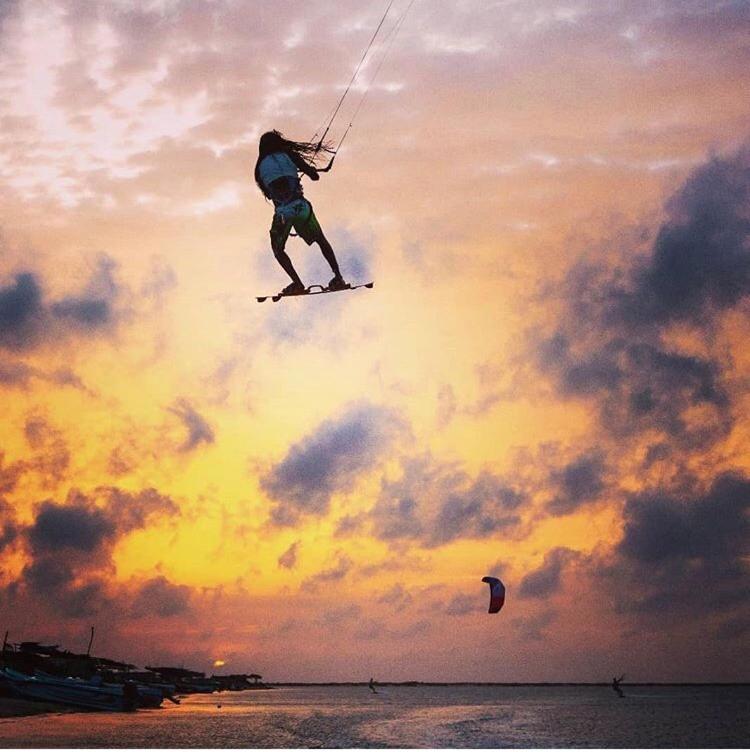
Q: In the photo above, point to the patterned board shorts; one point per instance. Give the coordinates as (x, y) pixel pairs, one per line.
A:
(298, 215)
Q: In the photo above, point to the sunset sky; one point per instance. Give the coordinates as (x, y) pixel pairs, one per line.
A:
(546, 383)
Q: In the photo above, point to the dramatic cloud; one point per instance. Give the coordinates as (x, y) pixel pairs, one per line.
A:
(21, 312)
(48, 576)
(701, 258)
(611, 344)
(15, 373)
(79, 525)
(660, 529)
(70, 552)
(134, 510)
(199, 431)
(89, 314)
(546, 580)
(673, 542)
(579, 482)
(435, 503)
(26, 320)
(330, 460)
(159, 597)
(642, 386)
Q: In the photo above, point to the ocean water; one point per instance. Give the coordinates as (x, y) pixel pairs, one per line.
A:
(422, 716)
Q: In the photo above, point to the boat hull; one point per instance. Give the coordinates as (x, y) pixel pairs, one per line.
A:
(67, 692)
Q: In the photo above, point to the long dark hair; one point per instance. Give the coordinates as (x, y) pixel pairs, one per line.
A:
(272, 142)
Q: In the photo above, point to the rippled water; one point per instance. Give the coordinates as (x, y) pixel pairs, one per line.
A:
(445, 716)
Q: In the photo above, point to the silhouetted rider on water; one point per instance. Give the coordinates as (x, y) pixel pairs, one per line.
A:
(277, 174)
(616, 685)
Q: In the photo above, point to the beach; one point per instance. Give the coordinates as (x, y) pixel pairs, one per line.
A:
(439, 716)
(14, 707)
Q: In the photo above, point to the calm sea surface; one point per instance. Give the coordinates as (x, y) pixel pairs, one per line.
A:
(444, 716)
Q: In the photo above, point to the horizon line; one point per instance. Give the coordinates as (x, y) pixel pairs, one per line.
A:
(509, 684)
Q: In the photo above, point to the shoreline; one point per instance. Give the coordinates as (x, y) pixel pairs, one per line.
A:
(17, 707)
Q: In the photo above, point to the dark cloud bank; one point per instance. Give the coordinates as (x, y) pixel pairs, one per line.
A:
(672, 543)
(610, 347)
(580, 481)
(31, 321)
(28, 320)
(684, 548)
(330, 460)
(434, 503)
(546, 580)
(69, 549)
(682, 561)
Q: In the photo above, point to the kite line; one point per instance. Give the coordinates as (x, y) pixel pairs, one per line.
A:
(387, 43)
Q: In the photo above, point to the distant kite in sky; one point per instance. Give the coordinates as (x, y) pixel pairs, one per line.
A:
(497, 594)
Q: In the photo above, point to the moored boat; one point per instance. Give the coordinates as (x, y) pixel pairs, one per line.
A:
(74, 692)
(148, 696)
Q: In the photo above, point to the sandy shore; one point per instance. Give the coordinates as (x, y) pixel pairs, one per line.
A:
(12, 707)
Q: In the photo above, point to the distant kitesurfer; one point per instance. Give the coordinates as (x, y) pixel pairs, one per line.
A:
(277, 174)
(616, 685)
(372, 686)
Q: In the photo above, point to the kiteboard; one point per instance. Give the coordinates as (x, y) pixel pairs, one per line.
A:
(313, 290)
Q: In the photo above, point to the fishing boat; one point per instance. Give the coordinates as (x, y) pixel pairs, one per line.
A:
(74, 692)
(148, 696)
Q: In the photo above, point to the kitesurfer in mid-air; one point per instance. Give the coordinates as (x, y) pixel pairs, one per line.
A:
(277, 174)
